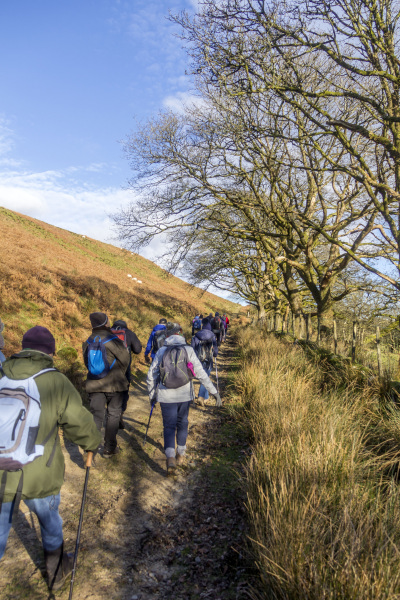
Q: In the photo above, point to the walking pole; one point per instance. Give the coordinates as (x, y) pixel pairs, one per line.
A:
(78, 537)
(216, 373)
(148, 424)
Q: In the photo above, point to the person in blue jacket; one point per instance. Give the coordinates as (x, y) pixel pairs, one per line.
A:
(153, 345)
(205, 338)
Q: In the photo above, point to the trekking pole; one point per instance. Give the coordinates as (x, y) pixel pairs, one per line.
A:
(148, 424)
(216, 373)
(78, 537)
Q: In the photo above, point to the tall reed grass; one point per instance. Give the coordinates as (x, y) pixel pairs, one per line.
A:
(323, 502)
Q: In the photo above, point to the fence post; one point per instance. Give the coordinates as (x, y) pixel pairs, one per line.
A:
(353, 344)
(334, 336)
(378, 350)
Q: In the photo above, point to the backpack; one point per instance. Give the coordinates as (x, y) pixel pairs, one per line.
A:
(20, 410)
(205, 351)
(96, 359)
(121, 335)
(175, 370)
(197, 323)
(158, 340)
(216, 324)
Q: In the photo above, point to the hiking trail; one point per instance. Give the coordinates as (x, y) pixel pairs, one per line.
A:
(146, 536)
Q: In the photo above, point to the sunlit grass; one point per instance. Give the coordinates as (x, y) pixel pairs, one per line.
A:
(322, 502)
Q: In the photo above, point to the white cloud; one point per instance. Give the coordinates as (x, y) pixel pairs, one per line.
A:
(177, 102)
(49, 196)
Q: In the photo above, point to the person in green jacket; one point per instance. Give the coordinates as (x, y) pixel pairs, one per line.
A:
(61, 406)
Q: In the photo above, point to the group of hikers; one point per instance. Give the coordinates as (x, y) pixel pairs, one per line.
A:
(36, 400)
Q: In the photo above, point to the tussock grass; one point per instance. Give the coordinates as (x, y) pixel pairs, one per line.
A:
(323, 504)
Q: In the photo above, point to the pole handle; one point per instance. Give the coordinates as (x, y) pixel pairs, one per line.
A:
(89, 459)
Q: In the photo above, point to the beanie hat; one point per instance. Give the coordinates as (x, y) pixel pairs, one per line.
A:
(162, 322)
(173, 328)
(39, 338)
(98, 319)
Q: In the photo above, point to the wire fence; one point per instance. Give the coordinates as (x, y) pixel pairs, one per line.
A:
(375, 345)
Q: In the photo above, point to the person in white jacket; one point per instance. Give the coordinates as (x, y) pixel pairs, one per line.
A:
(175, 402)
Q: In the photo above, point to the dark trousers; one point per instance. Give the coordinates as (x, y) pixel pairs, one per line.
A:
(125, 400)
(175, 421)
(111, 403)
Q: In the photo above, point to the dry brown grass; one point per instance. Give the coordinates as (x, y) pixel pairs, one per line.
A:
(55, 278)
(323, 504)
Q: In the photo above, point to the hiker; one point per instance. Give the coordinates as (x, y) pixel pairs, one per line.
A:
(173, 389)
(107, 360)
(196, 324)
(226, 324)
(223, 335)
(133, 344)
(156, 340)
(217, 328)
(2, 357)
(38, 482)
(204, 343)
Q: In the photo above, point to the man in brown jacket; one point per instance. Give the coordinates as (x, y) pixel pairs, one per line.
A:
(106, 390)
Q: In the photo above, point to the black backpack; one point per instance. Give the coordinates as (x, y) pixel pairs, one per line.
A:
(159, 340)
(175, 370)
(216, 324)
(205, 351)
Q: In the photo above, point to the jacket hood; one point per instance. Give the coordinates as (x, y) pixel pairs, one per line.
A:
(26, 363)
(119, 323)
(175, 340)
(207, 327)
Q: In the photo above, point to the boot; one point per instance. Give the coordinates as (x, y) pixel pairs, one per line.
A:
(58, 566)
(171, 465)
(180, 460)
(200, 400)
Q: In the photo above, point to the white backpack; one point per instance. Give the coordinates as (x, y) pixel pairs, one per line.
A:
(20, 410)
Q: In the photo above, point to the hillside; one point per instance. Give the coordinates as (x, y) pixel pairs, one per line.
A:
(56, 278)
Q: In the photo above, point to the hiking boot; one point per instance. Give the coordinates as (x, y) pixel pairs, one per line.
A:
(58, 566)
(200, 400)
(180, 460)
(109, 453)
(171, 465)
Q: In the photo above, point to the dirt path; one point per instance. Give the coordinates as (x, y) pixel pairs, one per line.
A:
(146, 536)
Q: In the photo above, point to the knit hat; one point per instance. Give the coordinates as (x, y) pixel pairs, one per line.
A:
(98, 319)
(162, 322)
(173, 328)
(39, 338)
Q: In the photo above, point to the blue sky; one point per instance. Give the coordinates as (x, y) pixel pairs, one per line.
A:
(75, 74)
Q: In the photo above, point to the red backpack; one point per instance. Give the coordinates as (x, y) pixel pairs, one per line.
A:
(121, 335)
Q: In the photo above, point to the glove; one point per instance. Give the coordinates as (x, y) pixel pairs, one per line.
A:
(147, 359)
(153, 400)
(218, 402)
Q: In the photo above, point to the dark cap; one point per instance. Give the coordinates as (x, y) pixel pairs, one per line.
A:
(39, 338)
(162, 322)
(98, 319)
(173, 328)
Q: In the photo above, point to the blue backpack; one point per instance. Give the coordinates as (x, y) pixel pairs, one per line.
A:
(96, 357)
(197, 323)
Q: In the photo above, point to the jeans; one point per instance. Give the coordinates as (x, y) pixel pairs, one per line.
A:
(175, 421)
(203, 393)
(50, 521)
(112, 403)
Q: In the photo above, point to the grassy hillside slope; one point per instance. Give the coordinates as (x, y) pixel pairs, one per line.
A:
(56, 278)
